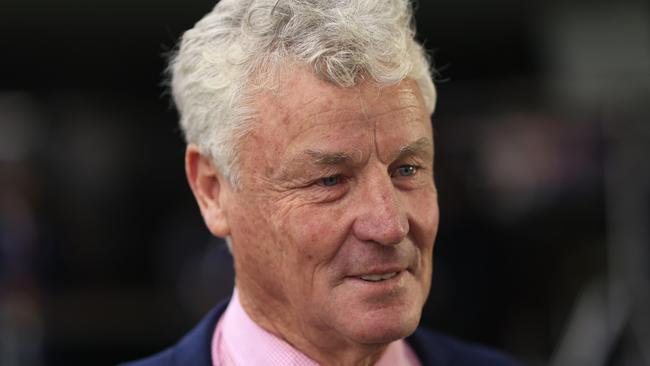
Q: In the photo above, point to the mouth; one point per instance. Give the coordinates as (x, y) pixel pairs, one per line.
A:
(388, 282)
(378, 277)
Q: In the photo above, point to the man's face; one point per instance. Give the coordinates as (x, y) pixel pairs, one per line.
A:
(334, 224)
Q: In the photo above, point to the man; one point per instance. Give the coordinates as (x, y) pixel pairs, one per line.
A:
(310, 149)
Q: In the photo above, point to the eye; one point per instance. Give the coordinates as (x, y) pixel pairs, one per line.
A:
(330, 181)
(407, 170)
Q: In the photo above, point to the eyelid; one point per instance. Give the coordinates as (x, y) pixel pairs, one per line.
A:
(329, 193)
(394, 172)
(321, 181)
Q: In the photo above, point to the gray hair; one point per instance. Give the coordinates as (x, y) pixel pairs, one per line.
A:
(241, 45)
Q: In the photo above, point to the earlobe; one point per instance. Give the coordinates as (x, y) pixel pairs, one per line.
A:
(210, 190)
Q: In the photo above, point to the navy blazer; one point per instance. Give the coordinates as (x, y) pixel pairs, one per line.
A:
(431, 348)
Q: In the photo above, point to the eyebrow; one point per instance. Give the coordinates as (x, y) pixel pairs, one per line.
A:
(421, 146)
(325, 158)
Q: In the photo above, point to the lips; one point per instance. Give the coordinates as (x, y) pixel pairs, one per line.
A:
(385, 267)
(378, 277)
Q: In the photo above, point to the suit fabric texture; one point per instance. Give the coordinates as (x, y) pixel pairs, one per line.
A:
(431, 348)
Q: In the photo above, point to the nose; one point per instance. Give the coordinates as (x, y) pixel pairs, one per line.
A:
(380, 217)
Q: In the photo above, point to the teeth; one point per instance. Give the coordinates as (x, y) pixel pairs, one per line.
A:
(379, 277)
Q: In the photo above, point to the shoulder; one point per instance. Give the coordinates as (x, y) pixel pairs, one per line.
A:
(431, 348)
(192, 349)
(435, 349)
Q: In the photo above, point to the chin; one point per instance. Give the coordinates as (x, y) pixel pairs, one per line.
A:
(383, 326)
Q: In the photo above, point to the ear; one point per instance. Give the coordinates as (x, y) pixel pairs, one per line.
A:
(210, 189)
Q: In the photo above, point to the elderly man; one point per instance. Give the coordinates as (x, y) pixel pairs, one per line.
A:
(310, 149)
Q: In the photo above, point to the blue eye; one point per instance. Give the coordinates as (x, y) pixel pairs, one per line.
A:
(407, 170)
(331, 181)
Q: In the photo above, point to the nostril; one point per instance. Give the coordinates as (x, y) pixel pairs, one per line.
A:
(399, 231)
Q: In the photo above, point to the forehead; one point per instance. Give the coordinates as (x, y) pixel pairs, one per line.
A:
(306, 112)
(303, 98)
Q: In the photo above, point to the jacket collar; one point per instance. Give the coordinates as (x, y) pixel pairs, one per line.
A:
(195, 347)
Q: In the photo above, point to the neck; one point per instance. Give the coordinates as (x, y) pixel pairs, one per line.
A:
(322, 345)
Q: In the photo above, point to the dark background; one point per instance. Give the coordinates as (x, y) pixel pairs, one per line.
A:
(541, 161)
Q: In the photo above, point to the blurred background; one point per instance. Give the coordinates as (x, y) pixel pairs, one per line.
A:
(542, 132)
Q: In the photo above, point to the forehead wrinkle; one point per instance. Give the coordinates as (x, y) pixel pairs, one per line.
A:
(296, 110)
(359, 108)
(328, 101)
(407, 98)
(412, 114)
(411, 111)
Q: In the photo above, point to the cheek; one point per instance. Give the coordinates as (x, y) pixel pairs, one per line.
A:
(314, 234)
(253, 235)
(425, 217)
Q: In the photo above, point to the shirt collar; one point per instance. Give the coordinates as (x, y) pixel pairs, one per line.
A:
(239, 341)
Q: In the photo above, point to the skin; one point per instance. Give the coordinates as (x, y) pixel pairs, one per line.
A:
(336, 183)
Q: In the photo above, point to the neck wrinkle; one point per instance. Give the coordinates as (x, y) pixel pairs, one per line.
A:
(340, 354)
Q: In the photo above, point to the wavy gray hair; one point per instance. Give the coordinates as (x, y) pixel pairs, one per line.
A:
(241, 45)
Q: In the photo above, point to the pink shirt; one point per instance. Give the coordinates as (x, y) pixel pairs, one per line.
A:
(239, 341)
